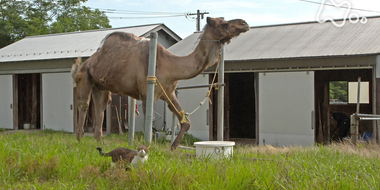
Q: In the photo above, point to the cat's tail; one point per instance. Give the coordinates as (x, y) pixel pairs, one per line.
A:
(100, 151)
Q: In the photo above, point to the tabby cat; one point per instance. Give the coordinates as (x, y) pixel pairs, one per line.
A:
(125, 154)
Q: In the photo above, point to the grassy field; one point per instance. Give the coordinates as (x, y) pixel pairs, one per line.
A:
(55, 160)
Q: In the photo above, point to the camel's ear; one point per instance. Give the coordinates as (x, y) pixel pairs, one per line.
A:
(210, 21)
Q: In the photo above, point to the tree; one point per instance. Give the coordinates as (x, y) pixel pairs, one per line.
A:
(12, 24)
(37, 17)
(339, 90)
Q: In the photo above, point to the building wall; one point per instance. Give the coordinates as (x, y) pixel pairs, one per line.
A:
(190, 99)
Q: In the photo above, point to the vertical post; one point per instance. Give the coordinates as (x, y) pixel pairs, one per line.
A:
(16, 100)
(150, 87)
(131, 120)
(358, 102)
(326, 110)
(220, 122)
(198, 21)
(108, 115)
(354, 120)
(354, 129)
(33, 123)
(173, 123)
(173, 129)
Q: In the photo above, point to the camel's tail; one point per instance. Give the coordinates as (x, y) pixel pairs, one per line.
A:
(101, 152)
(75, 69)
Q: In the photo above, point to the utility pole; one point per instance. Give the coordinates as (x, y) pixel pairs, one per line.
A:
(200, 15)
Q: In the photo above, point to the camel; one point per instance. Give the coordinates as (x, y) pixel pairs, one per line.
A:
(121, 66)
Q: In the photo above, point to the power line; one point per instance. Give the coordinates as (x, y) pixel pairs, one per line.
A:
(146, 17)
(136, 12)
(331, 5)
(149, 14)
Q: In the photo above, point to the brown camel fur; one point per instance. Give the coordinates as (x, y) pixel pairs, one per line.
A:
(121, 66)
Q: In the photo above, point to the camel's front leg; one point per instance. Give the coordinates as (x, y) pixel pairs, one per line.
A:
(185, 126)
(101, 99)
(83, 92)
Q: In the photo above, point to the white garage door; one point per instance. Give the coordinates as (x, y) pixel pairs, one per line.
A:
(57, 97)
(286, 108)
(6, 100)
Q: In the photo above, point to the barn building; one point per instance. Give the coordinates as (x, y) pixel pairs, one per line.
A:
(36, 85)
(279, 81)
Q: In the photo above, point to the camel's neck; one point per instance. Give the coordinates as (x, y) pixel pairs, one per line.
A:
(205, 55)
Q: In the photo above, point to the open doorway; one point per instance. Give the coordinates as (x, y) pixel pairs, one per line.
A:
(29, 101)
(239, 108)
(242, 115)
(335, 92)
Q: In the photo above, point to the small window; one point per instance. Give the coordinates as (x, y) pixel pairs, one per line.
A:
(338, 92)
(353, 92)
(344, 92)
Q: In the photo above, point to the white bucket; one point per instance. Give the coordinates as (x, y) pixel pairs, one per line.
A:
(26, 125)
(160, 135)
(214, 149)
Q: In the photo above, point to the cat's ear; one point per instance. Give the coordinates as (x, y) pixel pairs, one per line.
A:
(148, 146)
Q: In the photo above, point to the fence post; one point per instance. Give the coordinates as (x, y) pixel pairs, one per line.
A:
(150, 87)
(220, 122)
(132, 119)
(354, 129)
(173, 122)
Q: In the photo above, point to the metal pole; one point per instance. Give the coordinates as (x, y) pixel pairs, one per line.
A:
(108, 115)
(199, 86)
(367, 115)
(198, 21)
(353, 130)
(358, 102)
(173, 123)
(220, 121)
(150, 87)
(132, 119)
(369, 118)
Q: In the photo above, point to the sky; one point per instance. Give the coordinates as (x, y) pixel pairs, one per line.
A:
(254, 12)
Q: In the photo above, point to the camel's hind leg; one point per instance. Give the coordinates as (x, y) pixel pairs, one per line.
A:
(101, 99)
(83, 92)
(184, 126)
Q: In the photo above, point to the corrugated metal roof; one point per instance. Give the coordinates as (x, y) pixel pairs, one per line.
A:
(69, 45)
(298, 40)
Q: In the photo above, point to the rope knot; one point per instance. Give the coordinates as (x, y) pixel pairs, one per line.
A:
(183, 120)
(151, 79)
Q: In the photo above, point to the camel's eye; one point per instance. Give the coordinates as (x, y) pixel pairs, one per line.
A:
(225, 25)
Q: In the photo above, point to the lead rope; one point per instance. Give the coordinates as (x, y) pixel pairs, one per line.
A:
(209, 91)
(154, 79)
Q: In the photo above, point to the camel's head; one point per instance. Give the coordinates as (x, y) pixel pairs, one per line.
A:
(237, 26)
(219, 29)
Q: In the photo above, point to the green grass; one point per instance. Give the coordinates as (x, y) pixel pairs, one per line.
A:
(55, 160)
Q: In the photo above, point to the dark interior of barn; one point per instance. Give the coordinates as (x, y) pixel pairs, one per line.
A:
(29, 100)
(325, 102)
(242, 105)
(239, 108)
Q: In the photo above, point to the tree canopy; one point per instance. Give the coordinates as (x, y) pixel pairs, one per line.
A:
(339, 91)
(37, 17)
